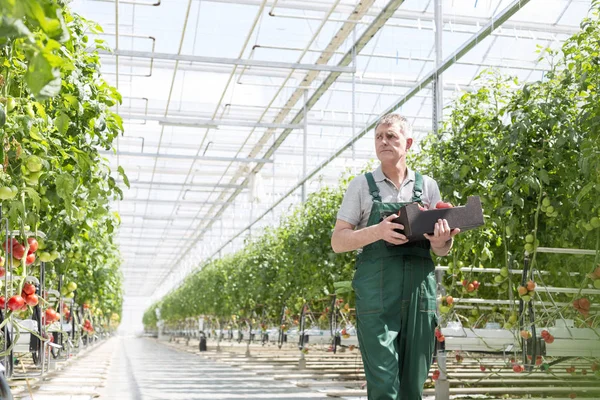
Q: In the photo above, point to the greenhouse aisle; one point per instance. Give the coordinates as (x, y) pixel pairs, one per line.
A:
(144, 369)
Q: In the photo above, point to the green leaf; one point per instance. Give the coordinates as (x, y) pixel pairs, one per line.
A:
(343, 287)
(15, 209)
(13, 28)
(52, 26)
(71, 101)
(65, 185)
(125, 179)
(583, 192)
(543, 175)
(342, 284)
(34, 133)
(62, 123)
(34, 196)
(518, 200)
(43, 80)
(83, 160)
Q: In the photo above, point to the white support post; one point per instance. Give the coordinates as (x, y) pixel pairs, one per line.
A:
(353, 90)
(438, 85)
(442, 385)
(302, 361)
(305, 145)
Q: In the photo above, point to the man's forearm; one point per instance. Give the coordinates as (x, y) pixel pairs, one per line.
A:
(443, 250)
(348, 239)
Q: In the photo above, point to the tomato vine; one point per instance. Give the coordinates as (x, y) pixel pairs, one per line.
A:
(55, 117)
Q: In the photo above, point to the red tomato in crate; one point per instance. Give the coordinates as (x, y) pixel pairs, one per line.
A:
(441, 204)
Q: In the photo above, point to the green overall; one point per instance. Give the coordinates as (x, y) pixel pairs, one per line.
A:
(395, 291)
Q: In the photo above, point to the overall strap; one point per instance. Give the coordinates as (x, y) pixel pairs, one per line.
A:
(418, 188)
(373, 189)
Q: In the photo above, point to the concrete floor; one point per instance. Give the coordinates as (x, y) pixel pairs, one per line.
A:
(144, 369)
(126, 368)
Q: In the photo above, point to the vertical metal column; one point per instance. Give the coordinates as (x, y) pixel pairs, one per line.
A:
(8, 270)
(305, 144)
(251, 209)
(437, 84)
(442, 386)
(42, 331)
(353, 89)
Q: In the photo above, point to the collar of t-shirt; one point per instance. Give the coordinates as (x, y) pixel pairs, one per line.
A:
(379, 176)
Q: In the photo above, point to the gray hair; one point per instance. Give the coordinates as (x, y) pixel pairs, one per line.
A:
(398, 120)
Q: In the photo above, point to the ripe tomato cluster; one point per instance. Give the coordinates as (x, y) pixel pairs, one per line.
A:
(20, 302)
(66, 313)
(51, 315)
(87, 326)
(28, 294)
(518, 368)
(16, 250)
(582, 305)
(526, 292)
(548, 338)
(470, 287)
(439, 336)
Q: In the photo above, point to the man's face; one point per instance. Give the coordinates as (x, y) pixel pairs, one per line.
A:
(390, 143)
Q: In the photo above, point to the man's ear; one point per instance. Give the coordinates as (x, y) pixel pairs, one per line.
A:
(409, 143)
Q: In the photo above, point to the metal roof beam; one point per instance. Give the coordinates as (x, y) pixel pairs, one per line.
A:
(191, 185)
(360, 80)
(186, 157)
(150, 115)
(143, 237)
(224, 61)
(518, 64)
(314, 122)
(206, 123)
(172, 202)
(414, 16)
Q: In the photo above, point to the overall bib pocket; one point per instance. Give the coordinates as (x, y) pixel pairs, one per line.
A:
(428, 289)
(368, 286)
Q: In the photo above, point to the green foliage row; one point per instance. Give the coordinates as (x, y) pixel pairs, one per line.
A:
(55, 111)
(532, 153)
(293, 261)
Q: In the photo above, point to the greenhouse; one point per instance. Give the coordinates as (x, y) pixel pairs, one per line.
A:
(283, 199)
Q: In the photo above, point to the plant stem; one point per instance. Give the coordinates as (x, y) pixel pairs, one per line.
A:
(536, 220)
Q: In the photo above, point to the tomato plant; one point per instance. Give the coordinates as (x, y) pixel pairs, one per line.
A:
(530, 151)
(55, 118)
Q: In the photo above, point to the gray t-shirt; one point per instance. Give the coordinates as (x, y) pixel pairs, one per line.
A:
(357, 203)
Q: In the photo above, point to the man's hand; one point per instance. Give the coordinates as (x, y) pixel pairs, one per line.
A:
(442, 234)
(386, 231)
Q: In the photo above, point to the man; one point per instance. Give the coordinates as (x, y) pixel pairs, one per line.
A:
(394, 283)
